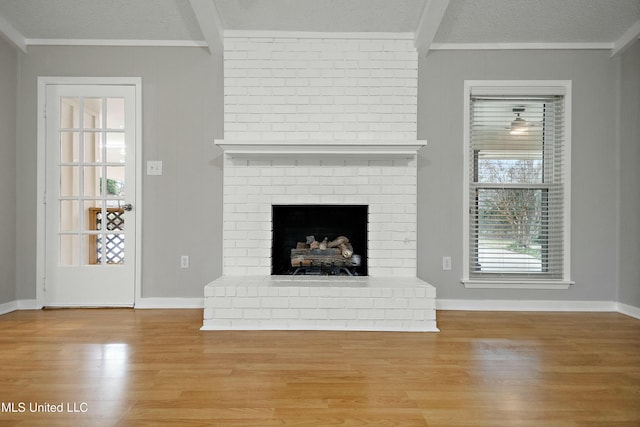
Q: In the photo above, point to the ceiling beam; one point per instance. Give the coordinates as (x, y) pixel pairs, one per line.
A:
(210, 25)
(430, 20)
(628, 38)
(14, 36)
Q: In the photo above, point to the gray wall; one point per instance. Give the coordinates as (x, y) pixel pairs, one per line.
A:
(182, 93)
(183, 112)
(594, 165)
(8, 82)
(630, 178)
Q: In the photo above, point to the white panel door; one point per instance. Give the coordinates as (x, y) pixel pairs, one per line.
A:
(90, 226)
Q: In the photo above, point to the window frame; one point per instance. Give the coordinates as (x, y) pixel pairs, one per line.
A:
(517, 88)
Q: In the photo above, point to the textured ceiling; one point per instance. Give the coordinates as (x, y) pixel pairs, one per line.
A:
(321, 15)
(102, 19)
(533, 21)
(465, 21)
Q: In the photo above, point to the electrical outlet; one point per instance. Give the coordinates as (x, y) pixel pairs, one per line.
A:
(184, 261)
(446, 263)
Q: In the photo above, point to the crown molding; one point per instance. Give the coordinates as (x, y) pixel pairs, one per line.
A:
(115, 42)
(318, 35)
(521, 46)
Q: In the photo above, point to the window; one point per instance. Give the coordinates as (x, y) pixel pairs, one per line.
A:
(517, 149)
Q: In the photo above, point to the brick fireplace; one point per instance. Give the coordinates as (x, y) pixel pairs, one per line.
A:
(320, 119)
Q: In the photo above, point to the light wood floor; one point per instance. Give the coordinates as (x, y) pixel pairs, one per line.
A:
(154, 367)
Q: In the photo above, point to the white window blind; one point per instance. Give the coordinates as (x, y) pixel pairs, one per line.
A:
(516, 187)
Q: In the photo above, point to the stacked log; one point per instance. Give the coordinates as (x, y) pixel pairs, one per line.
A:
(338, 253)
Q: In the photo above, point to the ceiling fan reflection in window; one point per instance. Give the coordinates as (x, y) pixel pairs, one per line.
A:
(520, 126)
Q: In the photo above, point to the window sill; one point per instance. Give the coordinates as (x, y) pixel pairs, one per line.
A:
(516, 284)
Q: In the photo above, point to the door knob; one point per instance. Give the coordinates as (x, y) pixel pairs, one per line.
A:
(128, 207)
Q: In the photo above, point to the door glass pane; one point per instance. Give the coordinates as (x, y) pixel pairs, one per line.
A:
(89, 253)
(92, 181)
(69, 147)
(115, 113)
(109, 246)
(114, 249)
(69, 215)
(115, 181)
(92, 212)
(69, 181)
(69, 247)
(69, 113)
(92, 224)
(115, 147)
(92, 147)
(92, 113)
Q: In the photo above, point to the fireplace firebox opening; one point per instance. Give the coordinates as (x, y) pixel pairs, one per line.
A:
(319, 239)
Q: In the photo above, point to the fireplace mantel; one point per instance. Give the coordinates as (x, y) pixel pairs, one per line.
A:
(371, 149)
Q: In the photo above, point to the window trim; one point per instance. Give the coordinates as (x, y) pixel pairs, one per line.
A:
(517, 88)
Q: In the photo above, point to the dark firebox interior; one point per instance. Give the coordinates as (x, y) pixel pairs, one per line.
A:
(293, 223)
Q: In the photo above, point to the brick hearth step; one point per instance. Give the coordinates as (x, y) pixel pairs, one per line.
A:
(320, 303)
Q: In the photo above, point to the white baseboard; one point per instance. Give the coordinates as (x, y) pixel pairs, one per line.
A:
(524, 305)
(8, 307)
(28, 304)
(629, 310)
(441, 304)
(21, 304)
(150, 303)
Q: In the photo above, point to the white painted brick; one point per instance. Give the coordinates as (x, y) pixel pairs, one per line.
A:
(256, 313)
(369, 314)
(285, 313)
(331, 302)
(294, 316)
(398, 314)
(335, 324)
(341, 313)
(304, 301)
(274, 302)
(355, 292)
(359, 325)
(288, 291)
(245, 324)
(246, 302)
(309, 313)
(389, 325)
(227, 313)
(324, 89)
(260, 270)
(361, 303)
(217, 302)
(419, 314)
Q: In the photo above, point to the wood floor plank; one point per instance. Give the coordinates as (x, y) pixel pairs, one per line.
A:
(156, 368)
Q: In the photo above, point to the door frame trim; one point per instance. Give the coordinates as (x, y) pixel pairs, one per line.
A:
(43, 82)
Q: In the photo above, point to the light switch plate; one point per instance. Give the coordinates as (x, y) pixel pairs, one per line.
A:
(154, 167)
